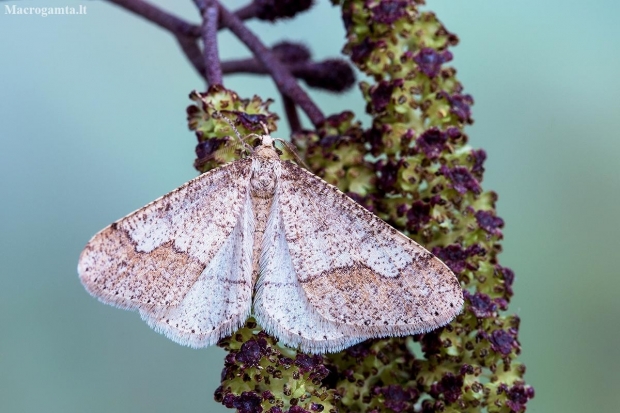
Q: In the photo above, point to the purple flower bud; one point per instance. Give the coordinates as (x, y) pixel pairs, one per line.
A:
(431, 342)
(336, 120)
(432, 142)
(285, 362)
(467, 369)
(192, 110)
(501, 303)
(481, 304)
(388, 11)
(249, 354)
(455, 256)
(450, 387)
(430, 60)
(518, 396)
(454, 133)
(335, 75)
(509, 277)
(249, 120)
(248, 402)
(276, 9)
(479, 157)
(361, 51)
(307, 363)
(401, 210)
(489, 222)
(407, 137)
(290, 52)
(262, 341)
(501, 341)
(315, 407)
(374, 136)
(230, 358)
(418, 215)
(461, 179)
(381, 96)
(360, 350)
(206, 148)
(399, 399)
(459, 105)
(388, 174)
(229, 400)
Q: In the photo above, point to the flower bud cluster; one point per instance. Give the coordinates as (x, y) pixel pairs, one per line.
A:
(217, 142)
(414, 168)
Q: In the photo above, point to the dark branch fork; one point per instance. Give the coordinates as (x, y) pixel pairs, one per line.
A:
(282, 77)
(207, 63)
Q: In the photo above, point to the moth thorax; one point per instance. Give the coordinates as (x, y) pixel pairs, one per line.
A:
(263, 181)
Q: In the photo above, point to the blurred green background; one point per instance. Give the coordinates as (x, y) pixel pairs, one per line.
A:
(92, 126)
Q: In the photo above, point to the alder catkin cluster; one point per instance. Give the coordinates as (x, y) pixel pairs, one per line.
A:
(413, 168)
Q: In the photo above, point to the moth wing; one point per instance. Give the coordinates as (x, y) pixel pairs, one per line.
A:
(184, 261)
(280, 304)
(355, 269)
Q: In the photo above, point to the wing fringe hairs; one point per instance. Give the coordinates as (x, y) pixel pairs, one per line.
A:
(187, 337)
(338, 335)
(294, 300)
(326, 278)
(116, 270)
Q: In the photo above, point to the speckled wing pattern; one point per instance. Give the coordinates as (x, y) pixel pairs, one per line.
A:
(261, 235)
(183, 261)
(337, 274)
(280, 304)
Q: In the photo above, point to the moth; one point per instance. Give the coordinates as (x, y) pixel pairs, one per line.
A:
(265, 237)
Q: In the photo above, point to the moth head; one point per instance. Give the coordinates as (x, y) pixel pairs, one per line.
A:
(266, 140)
(266, 149)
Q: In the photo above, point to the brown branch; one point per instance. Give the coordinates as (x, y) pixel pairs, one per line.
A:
(208, 66)
(185, 32)
(291, 114)
(210, 18)
(246, 12)
(332, 75)
(284, 80)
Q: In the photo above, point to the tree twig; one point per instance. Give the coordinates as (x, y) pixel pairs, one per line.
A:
(333, 75)
(184, 31)
(282, 77)
(210, 19)
(247, 12)
(291, 113)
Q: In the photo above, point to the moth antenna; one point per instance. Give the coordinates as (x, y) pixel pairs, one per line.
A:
(265, 128)
(246, 146)
(292, 150)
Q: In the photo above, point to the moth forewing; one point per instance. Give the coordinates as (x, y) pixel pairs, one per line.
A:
(176, 259)
(318, 270)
